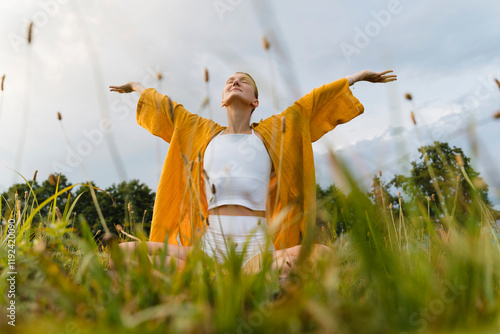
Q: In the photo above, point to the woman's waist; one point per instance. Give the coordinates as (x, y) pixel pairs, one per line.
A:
(235, 210)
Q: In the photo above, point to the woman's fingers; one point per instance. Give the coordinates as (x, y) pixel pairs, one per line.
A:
(119, 89)
(385, 77)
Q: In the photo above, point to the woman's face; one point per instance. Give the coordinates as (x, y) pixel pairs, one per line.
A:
(238, 86)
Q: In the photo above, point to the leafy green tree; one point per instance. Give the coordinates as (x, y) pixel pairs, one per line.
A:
(128, 204)
(437, 175)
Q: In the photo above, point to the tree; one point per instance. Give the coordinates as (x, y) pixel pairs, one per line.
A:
(132, 195)
(437, 175)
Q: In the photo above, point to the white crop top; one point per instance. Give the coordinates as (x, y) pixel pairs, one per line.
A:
(238, 168)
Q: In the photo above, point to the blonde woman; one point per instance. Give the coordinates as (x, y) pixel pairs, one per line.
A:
(235, 186)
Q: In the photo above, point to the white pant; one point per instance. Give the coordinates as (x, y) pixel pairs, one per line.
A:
(224, 231)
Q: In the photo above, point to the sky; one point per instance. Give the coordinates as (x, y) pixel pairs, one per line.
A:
(445, 53)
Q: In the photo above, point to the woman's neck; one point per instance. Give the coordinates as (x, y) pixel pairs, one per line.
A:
(239, 121)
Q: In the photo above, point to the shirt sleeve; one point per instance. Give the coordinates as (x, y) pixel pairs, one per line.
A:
(328, 106)
(158, 114)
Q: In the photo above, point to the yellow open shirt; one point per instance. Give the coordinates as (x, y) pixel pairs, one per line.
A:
(181, 204)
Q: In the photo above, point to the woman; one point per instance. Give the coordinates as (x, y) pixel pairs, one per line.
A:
(238, 184)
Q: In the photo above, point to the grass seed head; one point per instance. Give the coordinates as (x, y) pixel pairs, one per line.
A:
(433, 197)
(59, 116)
(3, 80)
(497, 115)
(479, 183)
(283, 124)
(498, 83)
(39, 245)
(265, 43)
(408, 96)
(52, 180)
(34, 175)
(58, 214)
(159, 76)
(18, 205)
(412, 115)
(390, 206)
(25, 194)
(460, 160)
(380, 173)
(206, 75)
(30, 32)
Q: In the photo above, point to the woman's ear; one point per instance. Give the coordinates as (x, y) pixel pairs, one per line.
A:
(255, 103)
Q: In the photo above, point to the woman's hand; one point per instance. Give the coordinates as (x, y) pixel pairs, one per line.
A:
(371, 76)
(128, 88)
(378, 77)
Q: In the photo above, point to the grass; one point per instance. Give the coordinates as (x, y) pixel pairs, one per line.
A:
(389, 274)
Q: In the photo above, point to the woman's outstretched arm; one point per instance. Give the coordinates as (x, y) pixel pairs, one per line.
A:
(129, 87)
(371, 77)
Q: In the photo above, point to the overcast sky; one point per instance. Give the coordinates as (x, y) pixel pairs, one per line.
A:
(445, 53)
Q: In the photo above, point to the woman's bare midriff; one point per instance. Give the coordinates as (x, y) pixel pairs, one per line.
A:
(235, 210)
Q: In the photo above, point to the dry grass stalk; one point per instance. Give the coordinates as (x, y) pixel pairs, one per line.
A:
(498, 83)
(18, 205)
(58, 214)
(3, 80)
(120, 229)
(30, 32)
(412, 115)
(265, 43)
(460, 160)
